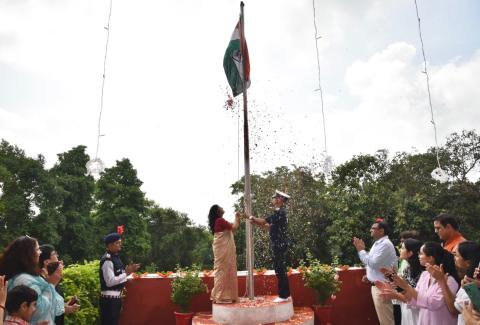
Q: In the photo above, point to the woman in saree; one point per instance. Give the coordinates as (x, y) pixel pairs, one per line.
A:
(225, 288)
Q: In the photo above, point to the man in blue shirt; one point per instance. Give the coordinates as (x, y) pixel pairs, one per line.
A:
(277, 223)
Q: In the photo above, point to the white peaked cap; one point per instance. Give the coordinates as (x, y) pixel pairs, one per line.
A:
(278, 193)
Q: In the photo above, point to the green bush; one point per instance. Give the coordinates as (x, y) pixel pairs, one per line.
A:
(185, 286)
(322, 278)
(82, 280)
(151, 268)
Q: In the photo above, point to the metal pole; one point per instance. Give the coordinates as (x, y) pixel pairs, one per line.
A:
(247, 194)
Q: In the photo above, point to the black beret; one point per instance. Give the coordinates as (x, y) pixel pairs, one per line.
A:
(111, 238)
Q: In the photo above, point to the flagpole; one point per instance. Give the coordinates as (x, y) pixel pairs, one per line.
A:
(246, 147)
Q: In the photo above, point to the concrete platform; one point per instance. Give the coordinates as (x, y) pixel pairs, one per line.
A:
(260, 311)
(302, 316)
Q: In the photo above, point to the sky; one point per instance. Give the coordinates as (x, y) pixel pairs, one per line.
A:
(165, 88)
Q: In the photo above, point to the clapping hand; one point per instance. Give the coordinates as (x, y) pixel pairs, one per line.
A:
(409, 292)
(388, 272)
(470, 315)
(400, 282)
(437, 272)
(466, 280)
(382, 285)
(56, 276)
(388, 292)
(132, 268)
(359, 244)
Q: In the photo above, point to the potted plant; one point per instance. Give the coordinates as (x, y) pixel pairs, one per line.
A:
(185, 286)
(289, 271)
(323, 279)
(165, 274)
(207, 273)
(260, 271)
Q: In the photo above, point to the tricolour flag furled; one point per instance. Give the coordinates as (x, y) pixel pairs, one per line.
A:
(233, 63)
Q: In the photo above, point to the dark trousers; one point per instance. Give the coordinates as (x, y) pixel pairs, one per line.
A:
(397, 314)
(278, 257)
(110, 310)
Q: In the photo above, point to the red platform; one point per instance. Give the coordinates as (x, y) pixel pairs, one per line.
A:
(148, 299)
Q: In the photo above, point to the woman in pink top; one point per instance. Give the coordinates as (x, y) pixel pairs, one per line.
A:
(428, 295)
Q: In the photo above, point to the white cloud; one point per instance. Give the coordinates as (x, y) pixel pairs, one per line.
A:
(384, 75)
(393, 110)
(455, 93)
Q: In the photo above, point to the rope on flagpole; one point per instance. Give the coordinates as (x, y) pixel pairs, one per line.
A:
(319, 79)
(327, 164)
(103, 78)
(96, 166)
(425, 71)
(238, 144)
(438, 173)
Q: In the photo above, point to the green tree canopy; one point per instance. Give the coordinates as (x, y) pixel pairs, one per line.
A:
(324, 216)
(175, 240)
(78, 233)
(121, 202)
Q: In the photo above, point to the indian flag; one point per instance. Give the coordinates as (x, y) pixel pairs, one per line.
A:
(233, 63)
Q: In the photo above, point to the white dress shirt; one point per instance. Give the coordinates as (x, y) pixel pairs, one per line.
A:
(382, 254)
(112, 280)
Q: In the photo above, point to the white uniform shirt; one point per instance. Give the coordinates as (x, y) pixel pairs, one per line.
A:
(382, 254)
(112, 280)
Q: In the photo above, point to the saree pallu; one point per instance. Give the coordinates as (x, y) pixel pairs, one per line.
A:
(225, 266)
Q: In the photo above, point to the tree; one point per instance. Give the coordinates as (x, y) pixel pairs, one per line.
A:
(463, 154)
(323, 217)
(29, 203)
(175, 240)
(77, 237)
(306, 213)
(121, 202)
(56, 205)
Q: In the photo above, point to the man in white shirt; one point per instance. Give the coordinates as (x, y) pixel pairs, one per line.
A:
(382, 254)
(113, 277)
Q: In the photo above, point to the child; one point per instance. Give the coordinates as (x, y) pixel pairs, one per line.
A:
(21, 304)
